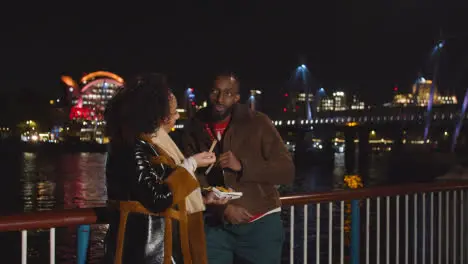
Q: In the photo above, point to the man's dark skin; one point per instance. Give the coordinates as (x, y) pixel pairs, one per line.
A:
(223, 96)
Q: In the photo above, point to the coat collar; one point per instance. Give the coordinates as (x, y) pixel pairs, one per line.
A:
(241, 116)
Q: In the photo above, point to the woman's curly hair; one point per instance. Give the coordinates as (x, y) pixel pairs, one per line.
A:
(138, 108)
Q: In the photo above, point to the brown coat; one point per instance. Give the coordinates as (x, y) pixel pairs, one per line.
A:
(254, 140)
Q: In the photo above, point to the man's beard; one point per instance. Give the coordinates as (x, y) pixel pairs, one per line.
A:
(216, 116)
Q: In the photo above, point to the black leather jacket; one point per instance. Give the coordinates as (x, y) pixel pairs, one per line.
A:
(130, 177)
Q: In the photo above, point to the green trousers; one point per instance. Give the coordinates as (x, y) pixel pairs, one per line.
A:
(260, 242)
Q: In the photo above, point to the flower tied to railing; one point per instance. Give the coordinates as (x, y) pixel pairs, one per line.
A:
(350, 182)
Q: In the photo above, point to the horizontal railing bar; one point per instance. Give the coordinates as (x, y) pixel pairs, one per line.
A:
(53, 218)
(373, 192)
(83, 216)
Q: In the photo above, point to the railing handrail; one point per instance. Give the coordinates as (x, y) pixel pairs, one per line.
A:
(84, 216)
(372, 192)
(49, 219)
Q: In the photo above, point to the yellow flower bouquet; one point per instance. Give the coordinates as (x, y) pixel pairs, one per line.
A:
(350, 182)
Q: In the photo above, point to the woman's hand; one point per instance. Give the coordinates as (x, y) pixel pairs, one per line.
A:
(204, 159)
(211, 198)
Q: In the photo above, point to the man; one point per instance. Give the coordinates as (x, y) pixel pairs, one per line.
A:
(252, 159)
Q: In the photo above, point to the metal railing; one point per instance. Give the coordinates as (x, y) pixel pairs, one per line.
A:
(417, 223)
(390, 235)
(52, 220)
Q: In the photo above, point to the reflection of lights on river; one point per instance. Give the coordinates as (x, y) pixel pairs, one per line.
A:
(37, 194)
(45, 195)
(28, 196)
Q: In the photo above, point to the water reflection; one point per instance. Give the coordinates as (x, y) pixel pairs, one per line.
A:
(48, 181)
(38, 193)
(83, 180)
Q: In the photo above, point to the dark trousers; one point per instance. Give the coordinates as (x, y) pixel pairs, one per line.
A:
(260, 242)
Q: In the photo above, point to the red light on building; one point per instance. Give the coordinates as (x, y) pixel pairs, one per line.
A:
(81, 113)
(285, 110)
(286, 95)
(193, 103)
(297, 107)
(395, 89)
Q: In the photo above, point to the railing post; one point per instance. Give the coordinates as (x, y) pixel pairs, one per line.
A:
(355, 230)
(82, 243)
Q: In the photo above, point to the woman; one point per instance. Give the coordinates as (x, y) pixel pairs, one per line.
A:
(165, 143)
(145, 184)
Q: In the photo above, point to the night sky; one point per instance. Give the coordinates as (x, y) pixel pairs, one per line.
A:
(362, 47)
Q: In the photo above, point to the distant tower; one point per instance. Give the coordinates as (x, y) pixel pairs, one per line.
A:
(302, 83)
(190, 104)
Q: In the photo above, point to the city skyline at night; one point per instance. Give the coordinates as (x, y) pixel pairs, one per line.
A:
(364, 48)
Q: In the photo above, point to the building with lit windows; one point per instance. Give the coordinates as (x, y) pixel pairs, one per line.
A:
(339, 101)
(326, 104)
(96, 90)
(422, 91)
(448, 99)
(357, 104)
(403, 100)
(88, 103)
(420, 96)
(303, 97)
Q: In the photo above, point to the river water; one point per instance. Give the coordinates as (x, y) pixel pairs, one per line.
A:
(45, 181)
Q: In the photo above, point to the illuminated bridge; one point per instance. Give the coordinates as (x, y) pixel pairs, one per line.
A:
(442, 115)
(394, 116)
